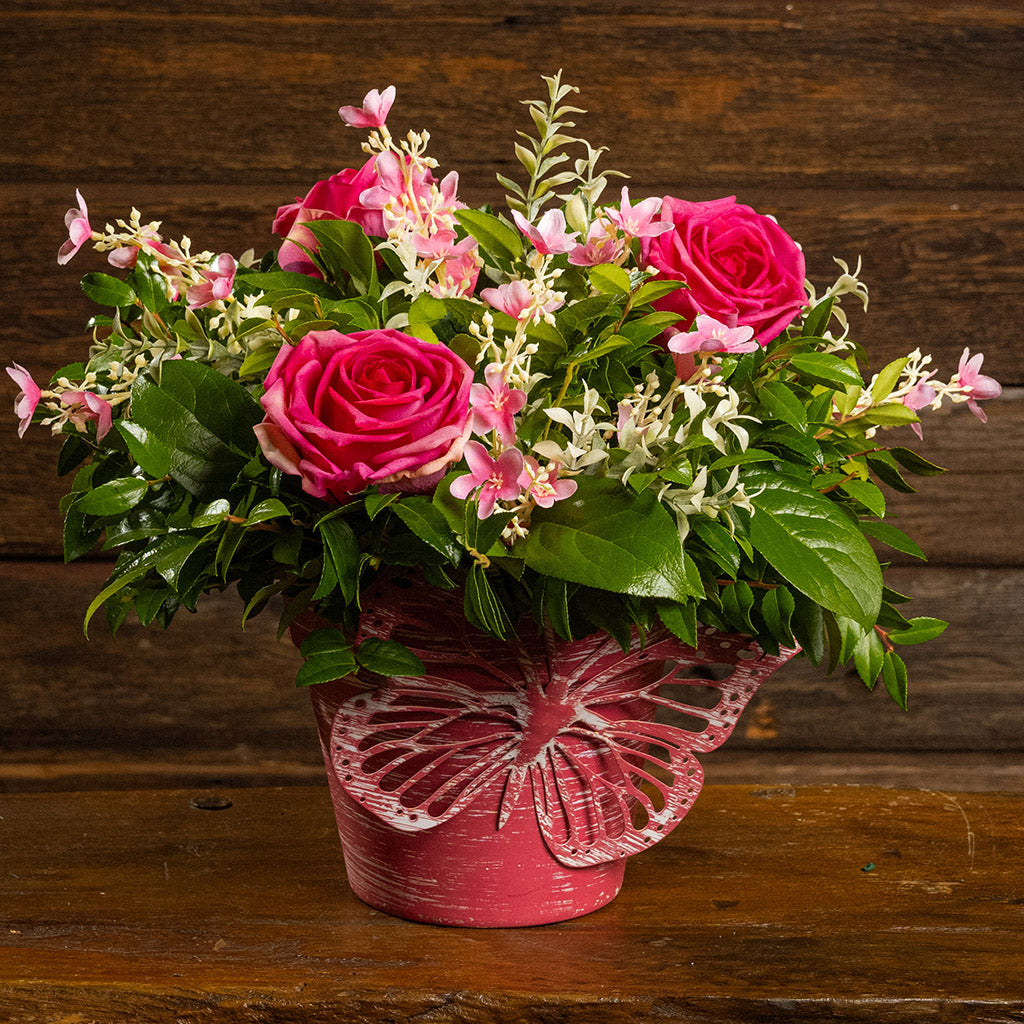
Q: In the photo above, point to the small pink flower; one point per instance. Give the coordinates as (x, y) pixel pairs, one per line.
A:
(543, 485)
(493, 406)
(602, 246)
(374, 111)
(920, 395)
(217, 284)
(976, 384)
(549, 237)
(638, 221)
(459, 270)
(79, 230)
(87, 407)
(712, 335)
(493, 479)
(28, 397)
(516, 299)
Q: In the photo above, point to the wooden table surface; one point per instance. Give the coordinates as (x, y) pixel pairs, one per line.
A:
(808, 904)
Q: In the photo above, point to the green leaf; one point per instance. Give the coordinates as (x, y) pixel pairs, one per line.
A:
(270, 508)
(893, 537)
(494, 235)
(287, 281)
(341, 557)
(73, 452)
(551, 604)
(894, 675)
(887, 469)
(888, 377)
(212, 513)
(680, 620)
(346, 252)
(113, 497)
(868, 657)
(921, 631)
(588, 355)
(328, 656)
(430, 525)
(375, 502)
(164, 554)
(107, 291)
(610, 537)
(817, 319)
(651, 291)
(151, 454)
(389, 658)
(607, 277)
(721, 543)
(816, 547)
(777, 608)
(203, 418)
(891, 414)
(481, 605)
(782, 404)
(822, 368)
(867, 494)
(914, 463)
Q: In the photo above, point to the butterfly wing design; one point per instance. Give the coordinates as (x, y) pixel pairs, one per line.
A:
(569, 727)
(612, 786)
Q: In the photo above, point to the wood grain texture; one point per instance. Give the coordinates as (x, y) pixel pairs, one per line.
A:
(832, 904)
(890, 130)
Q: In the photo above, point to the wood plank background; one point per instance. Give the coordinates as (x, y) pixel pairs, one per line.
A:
(891, 131)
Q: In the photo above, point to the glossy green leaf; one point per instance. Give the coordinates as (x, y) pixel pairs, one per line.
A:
(389, 658)
(151, 454)
(327, 656)
(266, 510)
(610, 537)
(893, 537)
(607, 277)
(430, 525)
(825, 369)
(107, 291)
(816, 547)
(921, 630)
(894, 675)
(203, 418)
(494, 235)
(113, 497)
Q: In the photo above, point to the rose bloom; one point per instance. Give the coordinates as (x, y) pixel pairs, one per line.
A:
(345, 411)
(739, 266)
(334, 198)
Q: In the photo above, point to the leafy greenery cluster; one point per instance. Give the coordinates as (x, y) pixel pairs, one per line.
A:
(179, 488)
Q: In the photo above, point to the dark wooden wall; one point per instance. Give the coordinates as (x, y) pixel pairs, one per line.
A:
(891, 130)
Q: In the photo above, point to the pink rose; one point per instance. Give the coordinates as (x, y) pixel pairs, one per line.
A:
(344, 411)
(334, 198)
(739, 266)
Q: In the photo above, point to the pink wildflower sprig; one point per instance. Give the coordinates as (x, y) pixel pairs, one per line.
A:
(542, 485)
(76, 220)
(712, 335)
(974, 384)
(638, 221)
(373, 112)
(549, 236)
(493, 406)
(29, 394)
(491, 479)
(215, 282)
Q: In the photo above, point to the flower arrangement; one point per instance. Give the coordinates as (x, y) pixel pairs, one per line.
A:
(596, 415)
